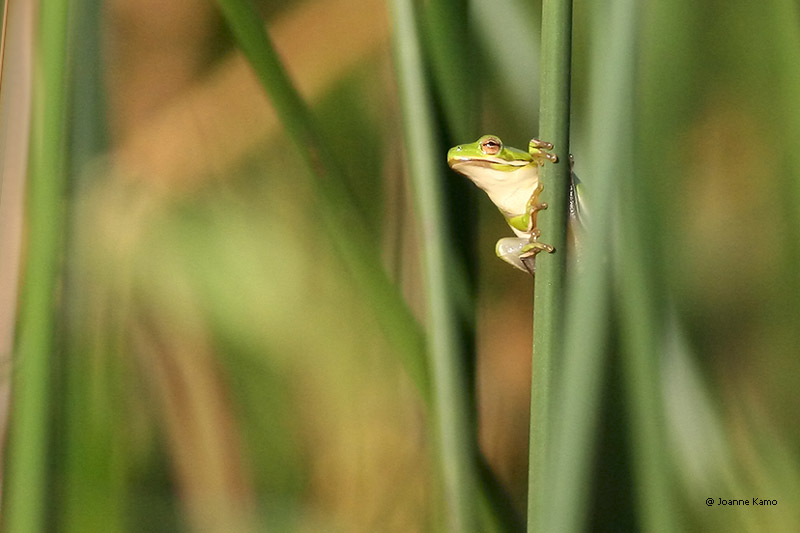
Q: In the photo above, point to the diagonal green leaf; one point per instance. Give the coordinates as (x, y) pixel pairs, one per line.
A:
(338, 214)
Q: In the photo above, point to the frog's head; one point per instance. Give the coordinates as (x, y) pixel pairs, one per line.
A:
(487, 161)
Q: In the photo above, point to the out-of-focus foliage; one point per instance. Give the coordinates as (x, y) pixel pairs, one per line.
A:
(218, 366)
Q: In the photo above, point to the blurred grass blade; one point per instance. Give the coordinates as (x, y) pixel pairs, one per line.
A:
(248, 29)
(642, 335)
(786, 21)
(92, 429)
(25, 503)
(455, 89)
(87, 99)
(15, 108)
(577, 400)
(550, 268)
(504, 25)
(3, 40)
(448, 35)
(455, 439)
(339, 216)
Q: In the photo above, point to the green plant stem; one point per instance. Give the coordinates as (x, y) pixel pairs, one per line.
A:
(25, 504)
(339, 216)
(577, 400)
(448, 373)
(550, 268)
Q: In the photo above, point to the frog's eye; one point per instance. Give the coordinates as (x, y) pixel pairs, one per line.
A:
(491, 146)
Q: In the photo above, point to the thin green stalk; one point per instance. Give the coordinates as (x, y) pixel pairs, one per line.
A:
(550, 268)
(345, 225)
(24, 508)
(449, 380)
(577, 401)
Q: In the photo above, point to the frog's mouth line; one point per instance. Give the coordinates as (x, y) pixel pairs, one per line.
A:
(495, 164)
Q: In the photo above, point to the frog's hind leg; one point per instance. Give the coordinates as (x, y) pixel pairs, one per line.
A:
(509, 250)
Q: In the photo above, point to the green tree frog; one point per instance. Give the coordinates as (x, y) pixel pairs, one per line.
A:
(511, 179)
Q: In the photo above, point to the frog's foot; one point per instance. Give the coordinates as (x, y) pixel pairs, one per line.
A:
(540, 151)
(528, 255)
(534, 247)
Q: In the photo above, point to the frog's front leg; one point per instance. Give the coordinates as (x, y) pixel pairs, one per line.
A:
(532, 208)
(540, 152)
(533, 246)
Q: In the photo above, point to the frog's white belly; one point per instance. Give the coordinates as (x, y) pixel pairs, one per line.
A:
(512, 201)
(509, 191)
